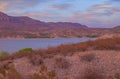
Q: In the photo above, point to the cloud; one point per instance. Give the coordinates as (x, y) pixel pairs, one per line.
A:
(115, 0)
(84, 15)
(116, 10)
(91, 15)
(60, 6)
(3, 6)
(100, 7)
(93, 19)
(105, 9)
(19, 4)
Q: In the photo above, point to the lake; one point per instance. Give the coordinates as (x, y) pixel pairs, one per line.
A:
(13, 45)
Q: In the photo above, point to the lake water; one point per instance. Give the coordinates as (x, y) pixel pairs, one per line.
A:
(13, 45)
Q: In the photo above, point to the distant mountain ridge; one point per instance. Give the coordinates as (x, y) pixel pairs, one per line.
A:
(26, 27)
(26, 21)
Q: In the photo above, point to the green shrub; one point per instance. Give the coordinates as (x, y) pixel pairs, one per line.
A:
(92, 36)
(26, 49)
(3, 53)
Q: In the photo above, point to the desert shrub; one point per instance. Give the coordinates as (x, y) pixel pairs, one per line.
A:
(22, 53)
(117, 76)
(92, 36)
(92, 73)
(2, 71)
(51, 74)
(36, 60)
(10, 73)
(88, 57)
(13, 73)
(37, 76)
(43, 69)
(62, 63)
(3, 53)
(44, 74)
(26, 49)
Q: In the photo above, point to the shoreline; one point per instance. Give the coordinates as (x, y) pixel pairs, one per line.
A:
(41, 38)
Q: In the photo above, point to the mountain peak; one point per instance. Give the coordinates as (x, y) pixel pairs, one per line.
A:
(2, 14)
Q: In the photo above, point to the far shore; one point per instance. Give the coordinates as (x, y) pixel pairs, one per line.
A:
(42, 38)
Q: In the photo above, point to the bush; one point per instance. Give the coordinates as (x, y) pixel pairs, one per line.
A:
(44, 74)
(62, 63)
(36, 60)
(26, 49)
(13, 73)
(10, 73)
(88, 57)
(117, 76)
(51, 74)
(93, 73)
(3, 53)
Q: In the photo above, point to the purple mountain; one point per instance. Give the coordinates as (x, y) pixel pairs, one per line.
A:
(24, 21)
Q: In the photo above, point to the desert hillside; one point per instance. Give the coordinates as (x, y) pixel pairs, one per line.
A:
(26, 27)
(97, 59)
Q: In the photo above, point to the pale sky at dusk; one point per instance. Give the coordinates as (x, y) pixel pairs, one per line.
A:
(93, 13)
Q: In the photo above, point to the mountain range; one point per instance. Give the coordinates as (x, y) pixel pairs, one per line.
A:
(26, 27)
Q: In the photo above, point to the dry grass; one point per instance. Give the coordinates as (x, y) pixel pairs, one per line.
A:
(9, 73)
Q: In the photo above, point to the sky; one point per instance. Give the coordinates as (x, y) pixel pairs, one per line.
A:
(93, 13)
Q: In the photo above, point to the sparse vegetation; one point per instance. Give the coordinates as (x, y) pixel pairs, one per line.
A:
(34, 36)
(3, 54)
(92, 36)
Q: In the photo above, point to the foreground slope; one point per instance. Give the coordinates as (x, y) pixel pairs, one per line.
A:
(97, 59)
